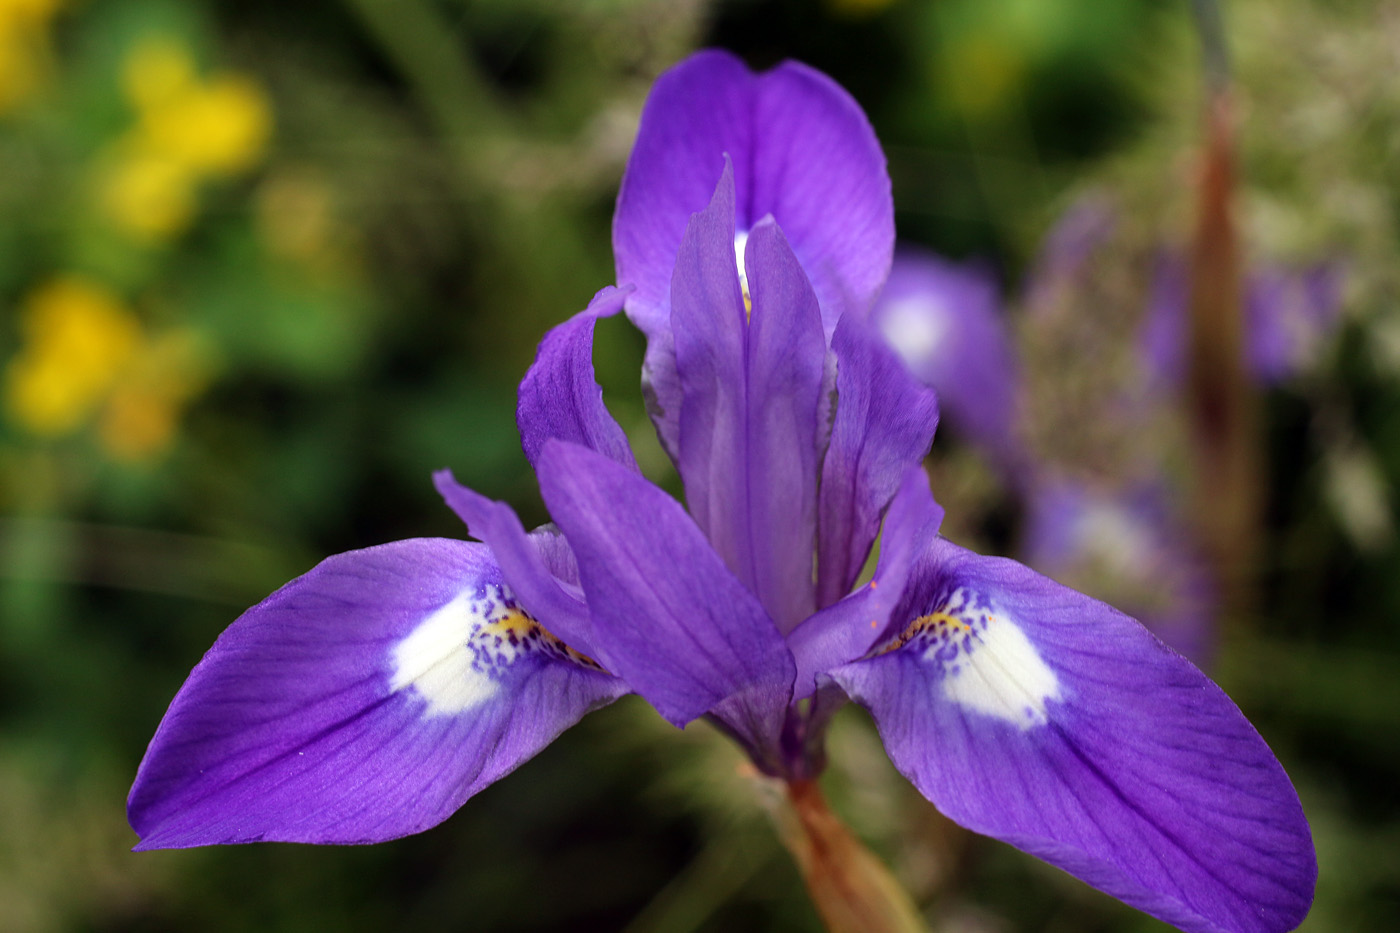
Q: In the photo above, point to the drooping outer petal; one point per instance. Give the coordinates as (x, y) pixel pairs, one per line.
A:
(361, 702)
(846, 630)
(884, 424)
(747, 447)
(560, 397)
(680, 627)
(803, 151)
(1031, 713)
(524, 564)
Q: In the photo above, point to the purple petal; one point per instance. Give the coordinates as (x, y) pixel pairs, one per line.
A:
(525, 563)
(884, 424)
(1080, 232)
(1164, 326)
(560, 398)
(803, 152)
(697, 113)
(364, 701)
(945, 320)
(819, 171)
(1031, 713)
(1289, 313)
(846, 630)
(749, 410)
(680, 628)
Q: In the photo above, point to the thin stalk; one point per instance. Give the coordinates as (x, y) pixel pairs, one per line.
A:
(852, 889)
(1220, 397)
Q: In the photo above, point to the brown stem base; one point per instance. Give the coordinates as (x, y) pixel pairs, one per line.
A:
(852, 889)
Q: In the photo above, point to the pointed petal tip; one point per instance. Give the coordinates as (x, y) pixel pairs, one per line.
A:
(610, 299)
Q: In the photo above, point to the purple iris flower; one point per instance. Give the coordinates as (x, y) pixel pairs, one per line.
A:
(946, 322)
(1288, 315)
(1130, 547)
(373, 696)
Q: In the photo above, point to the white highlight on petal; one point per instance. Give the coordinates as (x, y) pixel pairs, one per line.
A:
(915, 328)
(438, 660)
(989, 665)
(741, 241)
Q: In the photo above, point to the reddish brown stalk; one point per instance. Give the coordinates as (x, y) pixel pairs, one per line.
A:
(852, 889)
(1221, 403)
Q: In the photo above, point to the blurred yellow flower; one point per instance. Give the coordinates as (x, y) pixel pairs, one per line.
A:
(77, 338)
(188, 129)
(156, 72)
(140, 418)
(84, 354)
(23, 47)
(149, 196)
(220, 127)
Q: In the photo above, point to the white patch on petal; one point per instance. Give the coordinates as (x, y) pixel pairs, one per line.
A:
(436, 659)
(988, 663)
(1003, 675)
(915, 328)
(455, 658)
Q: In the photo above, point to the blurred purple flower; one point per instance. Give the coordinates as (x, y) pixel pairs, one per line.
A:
(1065, 252)
(373, 696)
(946, 322)
(1288, 315)
(1128, 544)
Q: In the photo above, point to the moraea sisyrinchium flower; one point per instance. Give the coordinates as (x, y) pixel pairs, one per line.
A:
(1289, 314)
(371, 697)
(945, 320)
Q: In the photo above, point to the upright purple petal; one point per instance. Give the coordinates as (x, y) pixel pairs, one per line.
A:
(819, 171)
(803, 151)
(946, 322)
(525, 563)
(884, 424)
(364, 701)
(560, 397)
(679, 626)
(786, 366)
(846, 630)
(751, 393)
(697, 113)
(1031, 713)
